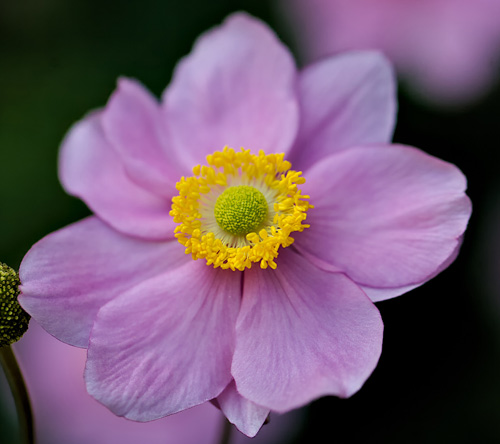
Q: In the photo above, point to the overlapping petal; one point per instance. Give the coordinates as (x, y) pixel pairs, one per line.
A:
(236, 88)
(346, 100)
(381, 294)
(303, 333)
(90, 169)
(66, 414)
(247, 416)
(70, 274)
(133, 125)
(166, 344)
(389, 216)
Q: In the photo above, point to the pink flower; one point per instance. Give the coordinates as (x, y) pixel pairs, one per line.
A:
(165, 332)
(447, 50)
(65, 413)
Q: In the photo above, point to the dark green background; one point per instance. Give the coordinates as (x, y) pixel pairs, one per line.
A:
(439, 376)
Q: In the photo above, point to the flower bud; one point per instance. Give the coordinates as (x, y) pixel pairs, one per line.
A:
(13, 319)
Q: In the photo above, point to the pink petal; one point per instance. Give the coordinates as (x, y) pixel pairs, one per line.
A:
(281, 428)
(303, 333)
(133, 125)
(389, 216)
(236, 88)
(345, 101)
(244, 414)
(66, 414)
(166, 344)
(91, 170)
(381, 294)
(70, 274)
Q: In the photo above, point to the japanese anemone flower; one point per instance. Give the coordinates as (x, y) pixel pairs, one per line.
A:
(447, 50)
(273, 305)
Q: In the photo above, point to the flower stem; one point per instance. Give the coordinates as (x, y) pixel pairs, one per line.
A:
(226, 432)
(19, 392)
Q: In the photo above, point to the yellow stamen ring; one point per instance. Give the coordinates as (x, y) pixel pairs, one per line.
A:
(239, 209)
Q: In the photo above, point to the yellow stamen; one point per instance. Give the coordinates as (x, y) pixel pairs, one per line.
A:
(239, 209)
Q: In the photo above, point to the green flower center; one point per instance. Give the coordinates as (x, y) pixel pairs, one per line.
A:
(240, 210)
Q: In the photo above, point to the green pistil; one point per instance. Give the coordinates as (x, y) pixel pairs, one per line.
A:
(240, 210)
(13, 319)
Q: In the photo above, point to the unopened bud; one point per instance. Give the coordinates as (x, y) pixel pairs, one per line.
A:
(13, 319)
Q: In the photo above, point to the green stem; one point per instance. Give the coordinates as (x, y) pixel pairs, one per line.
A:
(19, 392)
(226, 432)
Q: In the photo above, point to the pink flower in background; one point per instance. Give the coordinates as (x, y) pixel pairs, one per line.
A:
(66, 414)
(278, 309)
(447, 50)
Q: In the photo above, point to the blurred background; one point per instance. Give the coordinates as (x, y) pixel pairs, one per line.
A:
(438, 379)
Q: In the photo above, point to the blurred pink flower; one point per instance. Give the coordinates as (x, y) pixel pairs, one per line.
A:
(65, 413)
(447, 50)
(165, 332)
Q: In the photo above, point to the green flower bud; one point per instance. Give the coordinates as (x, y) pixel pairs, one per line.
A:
(13, 319)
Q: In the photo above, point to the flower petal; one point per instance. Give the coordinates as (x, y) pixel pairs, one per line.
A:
(91, 169)
(236, 88)
(133, 125)
(70, 274)
(388, 216)
(303, 333)
(66, 414)
(244, 414)
(166, 344)
(381, 294)
(346, 100)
